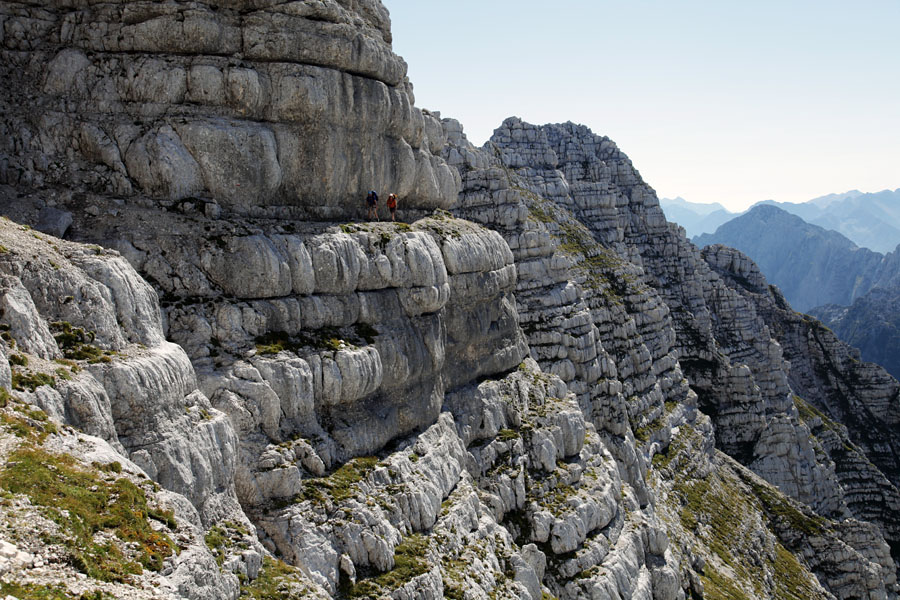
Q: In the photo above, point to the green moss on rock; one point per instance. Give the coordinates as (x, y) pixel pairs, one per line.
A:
(340, 485)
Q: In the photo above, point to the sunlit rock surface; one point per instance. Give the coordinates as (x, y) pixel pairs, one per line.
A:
(533, 386)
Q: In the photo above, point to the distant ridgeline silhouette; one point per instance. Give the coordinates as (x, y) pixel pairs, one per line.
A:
(869, 220)
(871, 323)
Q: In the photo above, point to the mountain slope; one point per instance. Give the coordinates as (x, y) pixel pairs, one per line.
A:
(738, 377)
(870, 220)
(871, 323)
(534, 387)
(811, 265)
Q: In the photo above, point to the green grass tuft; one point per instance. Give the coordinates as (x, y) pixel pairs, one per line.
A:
(780, 509)
(276, 581)
(35, 591)
(217, 540)
(340, 485)
(77, 343)
(31, 381)
(409, 562)
(83, 504)
(506, 435)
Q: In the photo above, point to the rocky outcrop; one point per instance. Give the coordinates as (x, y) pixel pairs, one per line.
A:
(851, 406)
(568, 178)
(82, 332)
(546, 392)
(258, 108)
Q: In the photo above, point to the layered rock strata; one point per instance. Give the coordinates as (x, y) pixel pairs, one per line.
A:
(83, 335)
(258, 107)
(538, 395)
(852, 405)
(725, 348)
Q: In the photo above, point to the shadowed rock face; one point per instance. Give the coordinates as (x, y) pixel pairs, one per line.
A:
(870, 324)
(264, 107)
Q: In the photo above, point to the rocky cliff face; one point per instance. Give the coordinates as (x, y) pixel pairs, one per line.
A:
(870, 324)
(546, 392)
(727, 350)
(837, 395)
(293, 108)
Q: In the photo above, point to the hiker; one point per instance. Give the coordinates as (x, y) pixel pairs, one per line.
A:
(372, 204)
(392, 205)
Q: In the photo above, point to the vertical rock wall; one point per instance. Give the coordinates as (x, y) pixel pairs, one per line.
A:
(261, 107)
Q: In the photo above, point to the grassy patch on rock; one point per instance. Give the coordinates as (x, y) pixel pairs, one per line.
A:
(38, 591)
(276, 581)
(29, 424)
(340, 485)
(734, 520)
(809, 413)
(222, 538)
(216, 540)
(77, 343)
(409, 562)
(85, 504)
(780, 509)
(31, 381)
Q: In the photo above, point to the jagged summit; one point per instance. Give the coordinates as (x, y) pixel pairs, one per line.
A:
(544, 391)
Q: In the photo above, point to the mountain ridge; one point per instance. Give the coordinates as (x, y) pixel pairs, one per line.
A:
(871, 220)
(871, 324)
(533, 387)
(813, 266)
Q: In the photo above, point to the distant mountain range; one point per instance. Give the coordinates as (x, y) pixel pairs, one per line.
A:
(694, 217)
(812, 266)
(870, 220)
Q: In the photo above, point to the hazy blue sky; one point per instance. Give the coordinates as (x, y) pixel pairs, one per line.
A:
(715, 101)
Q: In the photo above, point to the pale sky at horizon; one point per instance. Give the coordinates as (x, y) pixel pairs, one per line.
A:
(730, 102)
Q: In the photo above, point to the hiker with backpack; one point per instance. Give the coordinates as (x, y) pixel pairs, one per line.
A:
(392, 205)
(372, 204)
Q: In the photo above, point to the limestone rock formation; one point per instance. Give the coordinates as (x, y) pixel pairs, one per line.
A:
(851, 404)
(728, 352)
(82, 335)
(547, 391)
(264, 107)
